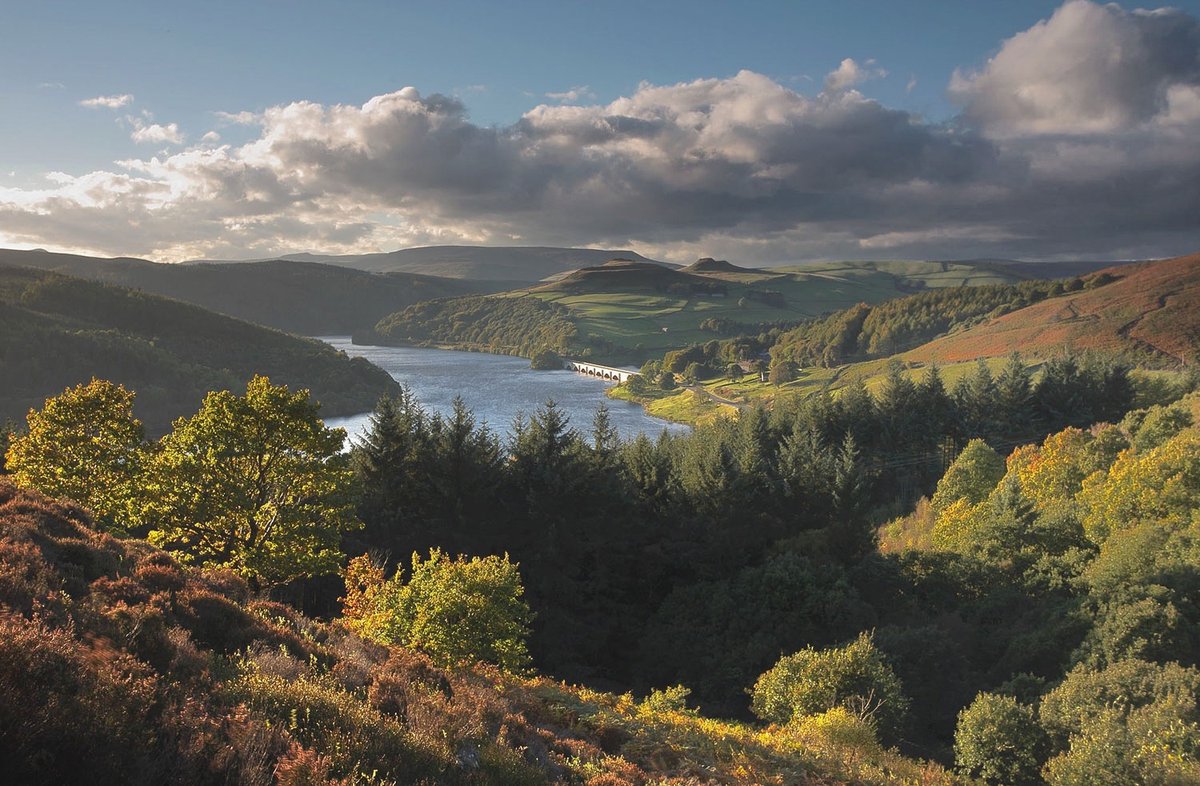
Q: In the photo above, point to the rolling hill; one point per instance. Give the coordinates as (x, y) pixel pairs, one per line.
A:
(57, 331)
(626, 310)
(299, 297)
(513, 264)
(1148, 311)
(955, 273)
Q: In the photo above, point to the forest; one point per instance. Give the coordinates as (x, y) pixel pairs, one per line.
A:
(999, 578)
(57, 331)
(497, 324)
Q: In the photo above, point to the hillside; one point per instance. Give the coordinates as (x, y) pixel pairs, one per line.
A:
(57, 331)
(631, 311)
(116, 657)
(953, 273)
(625, 310)
(1145, 313)
(1148, 311)
(497, 324)
(518, 264)
(299, 297)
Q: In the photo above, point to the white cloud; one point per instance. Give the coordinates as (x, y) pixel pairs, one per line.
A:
(1088, 69)
(51, 86)
(211, 136)
(108, 102)
(238, 118)
(574, 94)
(850, 73)
(155, 133)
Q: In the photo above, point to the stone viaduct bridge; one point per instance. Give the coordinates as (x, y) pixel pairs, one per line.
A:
(596, 370)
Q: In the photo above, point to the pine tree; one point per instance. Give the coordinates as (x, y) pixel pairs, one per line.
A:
(975, 396)
(851, 535)
(898, 410)
(1014, 398)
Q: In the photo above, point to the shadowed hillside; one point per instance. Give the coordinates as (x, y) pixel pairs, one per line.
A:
(515, 264)
(57, 331)
(623, 275)
(299, 297)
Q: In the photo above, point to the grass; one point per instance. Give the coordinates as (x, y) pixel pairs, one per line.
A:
(680, 405)
(630, 313)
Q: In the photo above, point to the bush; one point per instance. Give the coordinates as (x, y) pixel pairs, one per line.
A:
(453, 609)
(855, 677)
(998, 739)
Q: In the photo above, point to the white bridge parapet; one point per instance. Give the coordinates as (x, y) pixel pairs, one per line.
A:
(596, 370)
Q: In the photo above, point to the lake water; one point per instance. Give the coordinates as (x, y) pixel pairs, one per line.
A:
(495, 388)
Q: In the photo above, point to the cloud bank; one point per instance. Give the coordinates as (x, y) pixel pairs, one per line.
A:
(1076, 139)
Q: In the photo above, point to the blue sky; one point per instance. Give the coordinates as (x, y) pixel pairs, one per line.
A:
(184, 63)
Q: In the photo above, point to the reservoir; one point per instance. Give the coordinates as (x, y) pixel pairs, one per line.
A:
(496, 388)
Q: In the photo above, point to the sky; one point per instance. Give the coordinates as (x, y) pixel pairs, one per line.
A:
(759, 132)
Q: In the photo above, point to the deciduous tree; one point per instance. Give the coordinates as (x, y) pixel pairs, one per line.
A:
(85, 445)
(257, 483)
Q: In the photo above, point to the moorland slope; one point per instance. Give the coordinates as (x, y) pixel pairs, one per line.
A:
(1147, 311)
(119, 665)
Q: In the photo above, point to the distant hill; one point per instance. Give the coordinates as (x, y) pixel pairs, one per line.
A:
(954, 273)
(299, 297)
(618, 275)
(626, 310)
(523, 264)
(57, 331)
(1148, 310)
(708, 265)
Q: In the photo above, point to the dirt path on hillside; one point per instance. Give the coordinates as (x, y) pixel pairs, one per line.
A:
(740, 405)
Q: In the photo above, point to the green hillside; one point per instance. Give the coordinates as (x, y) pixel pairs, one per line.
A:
(936, 275)
(1143, 313)
(57, 331)
(299, 297)
(627, 310)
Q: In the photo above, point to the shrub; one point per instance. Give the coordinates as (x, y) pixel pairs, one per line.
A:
(855, 677)
(999, 740)
(453, 609)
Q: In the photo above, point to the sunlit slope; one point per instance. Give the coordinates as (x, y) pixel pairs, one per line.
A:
(937, 275)
(1150, 311)
(629, 304)
(299, 297)
(57, 331)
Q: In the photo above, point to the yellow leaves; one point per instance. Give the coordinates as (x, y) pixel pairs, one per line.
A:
(956, 525)
(361, 607)
(837, 729)
(1054, 472)
(1163, 483)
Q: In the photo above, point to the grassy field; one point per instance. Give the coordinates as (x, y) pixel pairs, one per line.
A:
(633, 311)
(679, 405)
